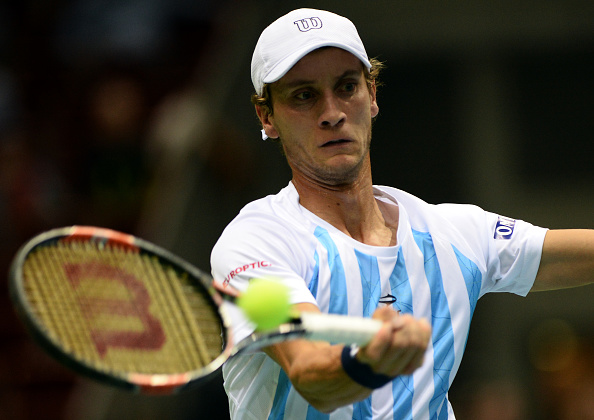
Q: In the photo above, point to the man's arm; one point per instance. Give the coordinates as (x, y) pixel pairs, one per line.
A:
(315, 368)
(567, 260)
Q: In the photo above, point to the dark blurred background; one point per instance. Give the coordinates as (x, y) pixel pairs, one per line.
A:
(135, 115)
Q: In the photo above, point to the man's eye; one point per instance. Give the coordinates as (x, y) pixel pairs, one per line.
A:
(349, 87)
(305, 95)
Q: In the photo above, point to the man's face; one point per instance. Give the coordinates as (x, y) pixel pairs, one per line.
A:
(322, 114)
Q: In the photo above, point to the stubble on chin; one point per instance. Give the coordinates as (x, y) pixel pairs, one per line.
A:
(333, 176)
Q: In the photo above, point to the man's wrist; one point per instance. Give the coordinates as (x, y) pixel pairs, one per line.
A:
(359, 372)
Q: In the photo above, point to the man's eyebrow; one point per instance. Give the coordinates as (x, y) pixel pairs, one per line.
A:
(350, 73)
(295, 83)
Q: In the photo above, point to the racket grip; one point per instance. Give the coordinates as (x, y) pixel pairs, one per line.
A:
(339, 328)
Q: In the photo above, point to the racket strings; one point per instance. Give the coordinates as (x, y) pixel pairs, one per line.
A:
(55, 304)
(175, 311)
(121, 311)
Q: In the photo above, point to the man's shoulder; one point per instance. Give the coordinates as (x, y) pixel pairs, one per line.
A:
(270, 229)
(275, 207)
(451, 222)
(276, 215)
(418, 209)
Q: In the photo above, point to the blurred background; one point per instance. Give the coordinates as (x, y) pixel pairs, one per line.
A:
(135, 115)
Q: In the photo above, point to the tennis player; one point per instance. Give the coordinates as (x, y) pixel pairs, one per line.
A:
(345, 246)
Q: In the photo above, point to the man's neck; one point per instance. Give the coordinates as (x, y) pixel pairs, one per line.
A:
(352, 209)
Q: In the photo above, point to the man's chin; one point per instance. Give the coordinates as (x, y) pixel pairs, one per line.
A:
(342, 175)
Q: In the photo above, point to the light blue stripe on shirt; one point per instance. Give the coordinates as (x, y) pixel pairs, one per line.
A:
(280, 397)
(370, 282)
(472, 277)
(371, 288)
(338, 289)
(313, 414)
(313, 283)
(403, 385)
(441, 322)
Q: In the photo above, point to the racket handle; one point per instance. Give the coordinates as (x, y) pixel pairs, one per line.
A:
(339, 328)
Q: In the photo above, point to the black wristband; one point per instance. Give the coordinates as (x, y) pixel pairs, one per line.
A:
(361, 372)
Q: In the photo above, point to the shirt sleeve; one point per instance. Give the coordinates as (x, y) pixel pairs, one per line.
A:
(248, 250)
(515, 252)
(508, 250)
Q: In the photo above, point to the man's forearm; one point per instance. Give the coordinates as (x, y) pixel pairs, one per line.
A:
(567, 260)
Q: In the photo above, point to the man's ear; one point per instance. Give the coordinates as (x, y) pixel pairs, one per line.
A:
(267, 124)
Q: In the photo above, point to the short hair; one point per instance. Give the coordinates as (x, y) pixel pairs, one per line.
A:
(371, 77)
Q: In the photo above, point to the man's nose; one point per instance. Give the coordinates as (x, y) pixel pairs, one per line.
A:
(331, 113)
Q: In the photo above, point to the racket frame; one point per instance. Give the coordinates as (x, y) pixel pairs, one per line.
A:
(135, 382)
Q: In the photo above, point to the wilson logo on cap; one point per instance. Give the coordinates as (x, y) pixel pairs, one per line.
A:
(307, 24)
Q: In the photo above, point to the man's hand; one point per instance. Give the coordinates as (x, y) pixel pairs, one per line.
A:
(400, 345)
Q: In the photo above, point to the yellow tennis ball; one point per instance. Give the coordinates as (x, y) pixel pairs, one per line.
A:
(266, 303)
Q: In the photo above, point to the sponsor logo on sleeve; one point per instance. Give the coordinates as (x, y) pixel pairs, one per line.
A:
(243, 269)
(504, 229)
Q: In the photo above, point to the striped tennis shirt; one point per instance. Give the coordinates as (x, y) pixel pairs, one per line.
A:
(446, 257)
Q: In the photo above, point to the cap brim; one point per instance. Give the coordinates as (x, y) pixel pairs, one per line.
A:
(288, 62)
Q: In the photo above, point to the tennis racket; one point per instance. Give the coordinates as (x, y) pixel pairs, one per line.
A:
(126, 312)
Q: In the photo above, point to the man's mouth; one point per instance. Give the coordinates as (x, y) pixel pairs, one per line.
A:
(334, 142)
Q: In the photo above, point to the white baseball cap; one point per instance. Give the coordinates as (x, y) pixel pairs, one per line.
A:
(289, 38)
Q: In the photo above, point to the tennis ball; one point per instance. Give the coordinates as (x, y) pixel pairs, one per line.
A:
(266, 303)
